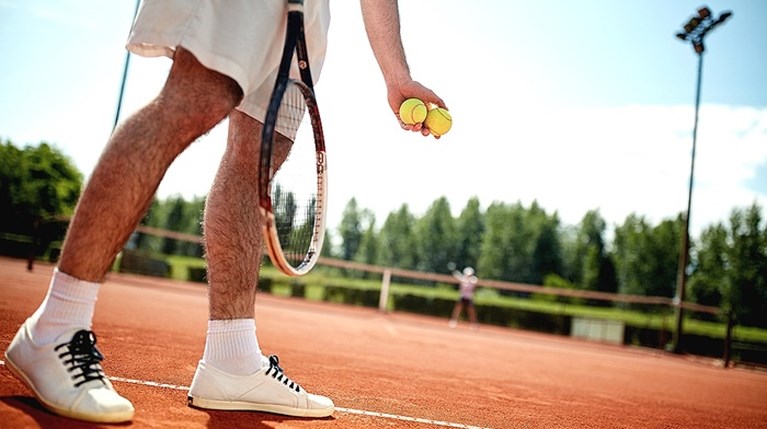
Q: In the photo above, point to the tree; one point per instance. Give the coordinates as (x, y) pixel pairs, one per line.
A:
(368, 250)
(397, 241)
(746, 293)
(590, 251)
(664, 257)
(173, 214)
(629, 247)
(571, 265)
(193, 225)
(546, 257)
(435, 235)
(646, 256)
(351, 230)
(174, 222)
(470, 228)
(328, 249)
(709, 280)
(37, 183)
(503, 252)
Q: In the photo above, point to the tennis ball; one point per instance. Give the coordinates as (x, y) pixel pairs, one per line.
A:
(438, 121)
(412, 111)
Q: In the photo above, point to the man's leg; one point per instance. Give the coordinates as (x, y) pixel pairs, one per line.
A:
(54, 351)
(233, 248)
(232, 223)
(232, 361)
(121, 187)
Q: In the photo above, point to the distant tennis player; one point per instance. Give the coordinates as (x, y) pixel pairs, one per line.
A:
(467, 284)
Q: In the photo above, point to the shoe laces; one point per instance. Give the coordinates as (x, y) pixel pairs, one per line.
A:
(82, 357)
(279, 374)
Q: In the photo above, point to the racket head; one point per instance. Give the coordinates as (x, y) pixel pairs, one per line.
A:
(293, 180)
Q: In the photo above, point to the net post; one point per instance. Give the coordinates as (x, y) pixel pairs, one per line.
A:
(384, 297)
(33, 246)
(728, 340)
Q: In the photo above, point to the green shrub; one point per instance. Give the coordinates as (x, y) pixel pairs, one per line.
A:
(197, 274)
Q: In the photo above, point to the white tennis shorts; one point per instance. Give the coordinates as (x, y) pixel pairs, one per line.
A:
(242, 39)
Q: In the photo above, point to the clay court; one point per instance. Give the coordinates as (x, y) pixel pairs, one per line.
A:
(381, 370)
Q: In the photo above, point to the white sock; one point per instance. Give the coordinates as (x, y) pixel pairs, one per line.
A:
(232, 346)
(68, 305)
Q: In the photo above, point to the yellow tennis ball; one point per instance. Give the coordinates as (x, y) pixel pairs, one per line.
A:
(438, 121)
(412, 111)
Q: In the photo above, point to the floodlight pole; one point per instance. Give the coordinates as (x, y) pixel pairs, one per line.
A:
(694, 32)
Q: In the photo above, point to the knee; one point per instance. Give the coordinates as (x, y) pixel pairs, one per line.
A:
(200, 96)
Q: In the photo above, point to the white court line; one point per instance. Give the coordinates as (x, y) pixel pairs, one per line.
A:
(339, 409)
(407, 419)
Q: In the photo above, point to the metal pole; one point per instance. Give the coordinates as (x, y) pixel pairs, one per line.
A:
(684, 251)
(383, 299)
(125, 76)
(694, 31)
(728, 341)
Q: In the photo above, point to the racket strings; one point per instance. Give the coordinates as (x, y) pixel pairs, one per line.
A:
(290, 116)
(295, 186)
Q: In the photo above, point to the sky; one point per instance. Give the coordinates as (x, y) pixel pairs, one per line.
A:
(580, 106)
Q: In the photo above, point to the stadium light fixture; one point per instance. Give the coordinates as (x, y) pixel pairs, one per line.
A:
(695, 30)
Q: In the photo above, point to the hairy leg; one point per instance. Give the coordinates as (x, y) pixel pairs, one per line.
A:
(121, 187)
(233, 224)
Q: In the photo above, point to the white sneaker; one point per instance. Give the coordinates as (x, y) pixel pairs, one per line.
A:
(268, 390)
(66, 376)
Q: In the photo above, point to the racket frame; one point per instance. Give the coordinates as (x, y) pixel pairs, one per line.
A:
(295, 42)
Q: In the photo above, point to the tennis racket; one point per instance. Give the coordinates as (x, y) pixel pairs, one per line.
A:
(293, 176)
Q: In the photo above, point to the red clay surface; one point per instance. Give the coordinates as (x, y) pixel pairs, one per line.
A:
(389, 366)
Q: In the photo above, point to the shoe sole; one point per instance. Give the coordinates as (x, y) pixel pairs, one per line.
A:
(212, 404)
(95, 418)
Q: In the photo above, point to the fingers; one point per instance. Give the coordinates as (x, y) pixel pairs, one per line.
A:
(412, 89)
(417, 127)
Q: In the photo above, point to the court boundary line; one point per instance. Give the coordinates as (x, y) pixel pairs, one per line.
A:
(438, 423)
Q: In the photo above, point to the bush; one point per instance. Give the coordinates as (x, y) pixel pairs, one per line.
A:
(197, 274)
(265, 285)
(139, 263)
(353, 296)
(421, 304)
(297, 289)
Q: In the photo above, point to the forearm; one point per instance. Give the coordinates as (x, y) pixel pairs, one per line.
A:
(382, 24)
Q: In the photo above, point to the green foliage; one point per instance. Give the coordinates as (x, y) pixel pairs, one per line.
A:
(547, 254)
(470, 227)
(728, 265)
(498, 247)
(37, 183)
(590, 265)
(327, 245)
(436, 237)
(351, 230)
(646, 256)
(746, 290)
(174, 214)
(368, 250)
(520, 244)
(397, 240)
(708, 282)
(556, 281)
